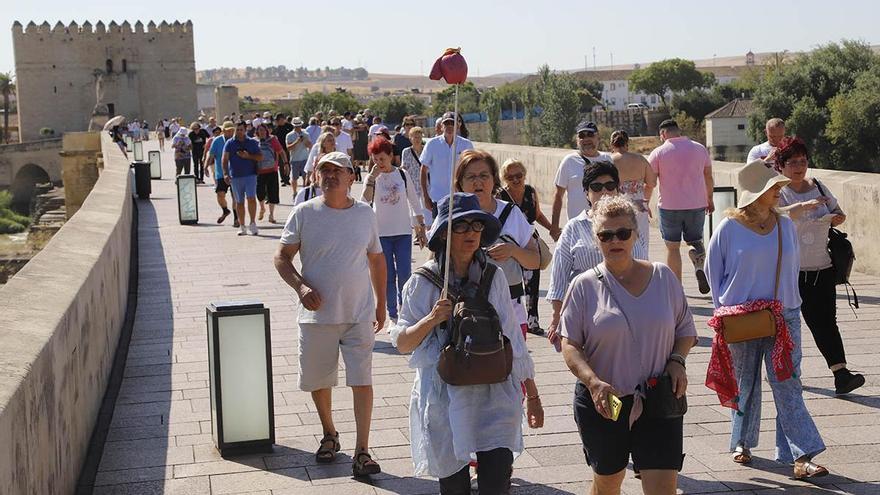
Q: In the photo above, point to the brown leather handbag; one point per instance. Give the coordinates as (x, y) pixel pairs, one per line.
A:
(757, 324)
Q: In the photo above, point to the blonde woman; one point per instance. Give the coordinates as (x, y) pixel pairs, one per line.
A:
(325, 144)
(525, 197)
(746, 252)
(410, 162)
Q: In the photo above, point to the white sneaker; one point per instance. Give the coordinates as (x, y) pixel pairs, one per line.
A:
(252, 228)
(242, 230)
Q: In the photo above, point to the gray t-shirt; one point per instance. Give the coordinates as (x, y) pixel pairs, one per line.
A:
(333, 247)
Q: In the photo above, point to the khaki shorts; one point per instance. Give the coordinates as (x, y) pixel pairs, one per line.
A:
(319, 346)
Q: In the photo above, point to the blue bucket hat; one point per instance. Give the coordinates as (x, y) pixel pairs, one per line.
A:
(464, 205)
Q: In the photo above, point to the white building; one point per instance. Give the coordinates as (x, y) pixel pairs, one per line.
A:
(727, 136)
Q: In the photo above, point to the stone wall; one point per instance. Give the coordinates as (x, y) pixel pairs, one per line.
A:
(60, 320)
(145, 72)
(859, 193)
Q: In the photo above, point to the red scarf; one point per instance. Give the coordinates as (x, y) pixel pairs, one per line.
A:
(720, 376)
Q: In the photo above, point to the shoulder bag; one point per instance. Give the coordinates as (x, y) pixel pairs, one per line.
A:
(757, 324)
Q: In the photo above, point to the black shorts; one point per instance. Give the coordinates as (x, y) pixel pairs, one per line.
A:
(653, 443)
(221, 186)
(267, 188)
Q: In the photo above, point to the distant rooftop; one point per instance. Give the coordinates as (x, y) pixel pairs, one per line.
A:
(736, 108)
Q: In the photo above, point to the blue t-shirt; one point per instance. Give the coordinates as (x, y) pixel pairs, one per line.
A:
(217, 150)
(240, 167)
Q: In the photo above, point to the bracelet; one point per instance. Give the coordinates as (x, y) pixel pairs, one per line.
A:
(533, 397)
(370, 184)
(678, 358)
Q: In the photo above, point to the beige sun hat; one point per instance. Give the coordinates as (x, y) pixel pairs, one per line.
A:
(755, 179)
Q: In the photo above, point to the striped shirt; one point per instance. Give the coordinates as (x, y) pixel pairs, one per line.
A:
(577, 252)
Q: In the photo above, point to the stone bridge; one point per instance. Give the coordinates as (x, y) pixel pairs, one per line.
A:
(25, 164)
(63, 315)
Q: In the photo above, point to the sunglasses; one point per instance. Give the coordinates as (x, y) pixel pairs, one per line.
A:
(465, 226)
(609, 186)
(607, 235)
(408, 124)
(513, 176)
(586, 134)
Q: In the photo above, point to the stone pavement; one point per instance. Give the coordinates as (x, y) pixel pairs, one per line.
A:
(159, 439)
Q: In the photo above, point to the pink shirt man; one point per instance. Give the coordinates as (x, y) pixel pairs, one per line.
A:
(679, 164)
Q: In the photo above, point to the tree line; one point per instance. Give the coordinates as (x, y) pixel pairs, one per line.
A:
(281, 73)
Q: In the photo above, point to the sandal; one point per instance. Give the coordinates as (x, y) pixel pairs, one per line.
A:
(328, 449)
(808, 469)
(742, 455)
(262, 214)
(364, 465)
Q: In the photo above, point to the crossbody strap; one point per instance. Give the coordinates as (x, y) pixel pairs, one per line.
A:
(778, 256)
(601, 277)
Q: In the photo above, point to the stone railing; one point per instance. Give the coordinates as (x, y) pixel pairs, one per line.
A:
(60, 320)
(858, 193)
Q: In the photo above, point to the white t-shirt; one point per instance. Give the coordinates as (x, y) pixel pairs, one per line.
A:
(395, 203)
(374, 129)
(436, 157)
(333, 248)
(759, 152)
(517, 227)
(344, 143)
(347, 125)
(570, 175)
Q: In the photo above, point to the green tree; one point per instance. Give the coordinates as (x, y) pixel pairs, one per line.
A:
(490, 104)
(10, 221)
(340, 101)
(696, 103)
(854, 127)
(6, 89)
(560, 103)
(468, 99)
(393, 109)
(590, 94)
(801, 89)
(673, 74)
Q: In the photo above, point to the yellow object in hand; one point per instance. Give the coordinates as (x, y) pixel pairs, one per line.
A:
(616, 406)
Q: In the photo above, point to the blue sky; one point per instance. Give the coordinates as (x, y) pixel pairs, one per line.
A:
(404, 37)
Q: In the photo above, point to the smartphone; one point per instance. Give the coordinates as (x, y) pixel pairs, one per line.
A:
(616, 406)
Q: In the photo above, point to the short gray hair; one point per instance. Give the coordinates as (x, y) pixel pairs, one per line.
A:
(774, 123)
(613, 207)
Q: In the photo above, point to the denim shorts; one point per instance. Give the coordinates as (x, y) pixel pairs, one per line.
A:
(678, 225)
(244, 187)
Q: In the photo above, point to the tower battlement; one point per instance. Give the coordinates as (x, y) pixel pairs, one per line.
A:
(99, 28)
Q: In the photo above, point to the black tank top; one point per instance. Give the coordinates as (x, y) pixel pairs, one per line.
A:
(528, 206)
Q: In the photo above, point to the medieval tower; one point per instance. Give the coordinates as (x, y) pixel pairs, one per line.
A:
(65, 73)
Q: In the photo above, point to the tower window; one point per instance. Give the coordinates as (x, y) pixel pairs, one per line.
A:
(109, 64)
(124, 65)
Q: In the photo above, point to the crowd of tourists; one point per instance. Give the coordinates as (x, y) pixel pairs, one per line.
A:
(620, 321)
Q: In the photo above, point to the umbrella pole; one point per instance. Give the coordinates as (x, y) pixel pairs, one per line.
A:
(451, 192)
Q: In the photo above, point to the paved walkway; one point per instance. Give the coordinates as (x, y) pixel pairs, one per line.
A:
(160, 442)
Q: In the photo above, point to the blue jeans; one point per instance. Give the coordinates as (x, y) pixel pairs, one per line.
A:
(398, 260)
(796, 433)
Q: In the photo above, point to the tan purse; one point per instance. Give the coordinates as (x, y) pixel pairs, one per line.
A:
(543, 251)
(757, 324)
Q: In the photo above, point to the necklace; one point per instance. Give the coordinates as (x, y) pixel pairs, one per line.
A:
(763, 224)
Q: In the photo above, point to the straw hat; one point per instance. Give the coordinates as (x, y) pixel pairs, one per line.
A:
(755, 179)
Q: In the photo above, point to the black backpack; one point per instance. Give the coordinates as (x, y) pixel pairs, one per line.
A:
(478, 352)
(842, 257)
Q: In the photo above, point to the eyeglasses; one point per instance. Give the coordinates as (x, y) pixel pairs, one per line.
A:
(609, 186)
(512, 177)
(622, 233)
(482, 177)
(464, 226)
(586, 134)
(408, 124)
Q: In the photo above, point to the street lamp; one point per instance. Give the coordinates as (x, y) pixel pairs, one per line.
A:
(724, 197)
(187, 199)
(240, 373)
(138, 151)
(155, 164)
